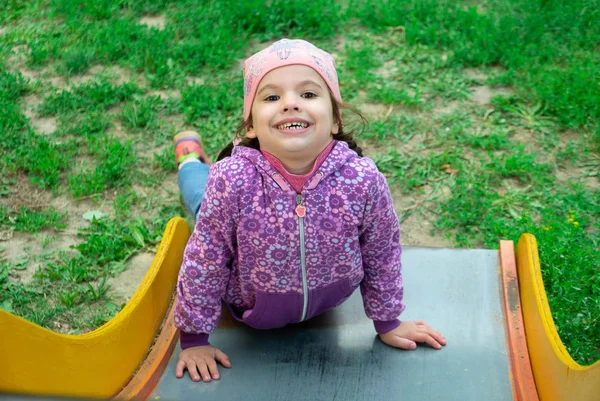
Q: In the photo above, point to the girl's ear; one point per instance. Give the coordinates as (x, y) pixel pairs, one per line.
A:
(335, 128)
(250, 134)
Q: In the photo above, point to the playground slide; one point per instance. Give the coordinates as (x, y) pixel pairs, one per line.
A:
(98, 364)
(494, 352)
(558, 377)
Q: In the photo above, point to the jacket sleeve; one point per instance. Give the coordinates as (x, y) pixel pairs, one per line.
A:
(381, 287)
(206, 263)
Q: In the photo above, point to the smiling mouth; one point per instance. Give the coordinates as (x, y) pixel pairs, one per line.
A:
(292, 126)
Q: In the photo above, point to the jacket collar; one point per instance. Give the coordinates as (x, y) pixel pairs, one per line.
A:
(338, 156)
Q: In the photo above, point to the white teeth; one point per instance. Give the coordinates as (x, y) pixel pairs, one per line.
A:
(293, 126)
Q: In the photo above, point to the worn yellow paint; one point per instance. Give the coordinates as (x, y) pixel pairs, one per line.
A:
(557, 376)
(34, 360)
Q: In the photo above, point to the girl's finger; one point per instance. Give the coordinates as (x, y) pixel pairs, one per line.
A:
(179, 369)
(213, 369)
(402, 343)
(438, 337)
(203, 369)
(425, 328)
(192, 369)
(426, 338)
(435, 334)
(222, 358)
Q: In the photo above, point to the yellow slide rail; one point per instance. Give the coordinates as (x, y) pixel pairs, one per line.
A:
(557, 376)
(34, 360)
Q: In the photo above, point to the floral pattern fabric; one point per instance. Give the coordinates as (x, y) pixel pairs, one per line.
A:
(247, 239)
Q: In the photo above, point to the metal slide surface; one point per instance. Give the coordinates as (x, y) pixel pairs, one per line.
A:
(337, 356)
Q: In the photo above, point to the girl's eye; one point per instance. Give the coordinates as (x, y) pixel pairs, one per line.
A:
(309, 95)
(272, 98)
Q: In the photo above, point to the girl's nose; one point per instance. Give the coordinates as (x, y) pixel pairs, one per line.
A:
(290, 103)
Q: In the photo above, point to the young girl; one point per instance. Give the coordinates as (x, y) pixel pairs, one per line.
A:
(293, 221)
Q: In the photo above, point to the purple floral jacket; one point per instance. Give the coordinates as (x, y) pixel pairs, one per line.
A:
(277, 257)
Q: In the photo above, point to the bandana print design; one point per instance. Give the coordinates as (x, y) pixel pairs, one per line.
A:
(253, 72)
(283, 49)
(246, 239)
(321, 66)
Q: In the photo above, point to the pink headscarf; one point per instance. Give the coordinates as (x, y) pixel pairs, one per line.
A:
(287, 52)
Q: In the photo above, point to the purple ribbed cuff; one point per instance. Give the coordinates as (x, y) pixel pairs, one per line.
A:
(383, 326)
(188, 340)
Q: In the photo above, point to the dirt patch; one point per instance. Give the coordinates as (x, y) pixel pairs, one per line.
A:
(150, 199)
(483, 94)
(18, 56)
(16, 62)
(170, 186)
(476, 75)
(125, 284)
(18, 244)
(32, 248)
(122, 75)
(77, 208)
(119, 75)
(82, 79)
(340, 46)
(447, 108)
(29, 105)
(372, 148)
(511, 184)
(36, 248)
(570, 136)
(417, 228)
(32, 251)
(33, 75)
(195, 81)
(375, 111)
(44, 126)
(154, 21)
(569, 173)
(57, 82)
(166, 94)
(416, 231)
(25, 194)
(118, 130)
(525, 137)
(388, 69)
(146, 152)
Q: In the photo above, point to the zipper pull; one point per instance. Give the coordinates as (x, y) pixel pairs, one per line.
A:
(300, 210)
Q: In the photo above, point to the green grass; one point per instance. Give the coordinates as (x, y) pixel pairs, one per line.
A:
(31, 220)
(98, 95)
(528, 161)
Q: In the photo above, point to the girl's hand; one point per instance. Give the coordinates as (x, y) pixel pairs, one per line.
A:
(407, 334)
(201, 360)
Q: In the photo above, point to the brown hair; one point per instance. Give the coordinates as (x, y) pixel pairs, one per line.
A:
(337, 108)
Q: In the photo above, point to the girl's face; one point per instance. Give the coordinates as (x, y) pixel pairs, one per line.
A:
(292, 114)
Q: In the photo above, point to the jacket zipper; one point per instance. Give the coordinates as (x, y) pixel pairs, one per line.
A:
(301, 212)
